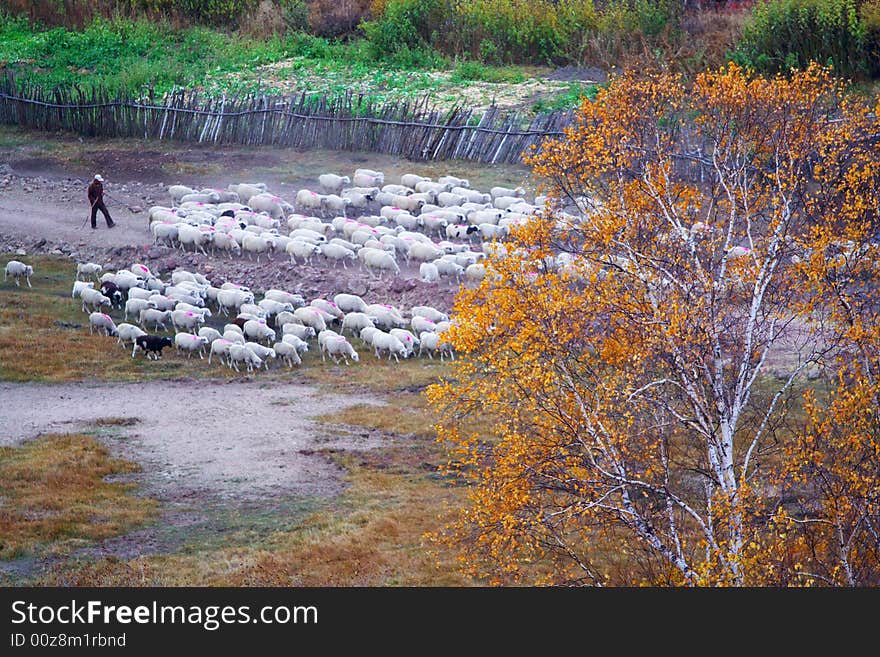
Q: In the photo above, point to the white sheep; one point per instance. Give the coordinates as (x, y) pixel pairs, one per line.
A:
(477, 217)
(158, 301)
(386, 317)
(156, 318)
(287, 353)
(386, 343)
(337, 253)
(496, 192)
(475, 273)
(102, 324)
(299, 248)
(223, 195)
(455, 182)
(257, 330)
(331, 183)
(355, 322)
(328, 307)
(18, 270)
(239, 353)
(430, 342)
(233, 299)
(134, 307)
(434, 187)
(421, 252)
(220, 348)
(195, 237)
(323, 337)
(301, 331)
(200, 197)
(87, 269)
(165, 232)
(210, 333)
(79, 286)
(349, 303)
(128, 333)
(272, 205)
(428, 272)
(255, 245)
(368, 178)
(246, 191)
(272, 307)
(311, 316)
(295, 300)
(299, 344)
(411, 180)
(381, 261)
(261, 352)
(306, 199)
(337, 346)
(449, 268)
(177, 192)
(92, 299)
(186, 319)
(493, 232)
(420, 324)
(356, 200)
(204, 312)
(233, 336)
(190, 344)
(225, 242)
(430, 312)
(407, 339)
(367, 333)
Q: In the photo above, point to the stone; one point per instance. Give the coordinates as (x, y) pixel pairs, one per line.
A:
(20, 252)
(136, 209)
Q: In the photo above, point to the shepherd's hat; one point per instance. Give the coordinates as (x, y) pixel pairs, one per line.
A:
(98, 177)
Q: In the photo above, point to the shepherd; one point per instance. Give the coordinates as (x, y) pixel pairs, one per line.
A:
(96, 198)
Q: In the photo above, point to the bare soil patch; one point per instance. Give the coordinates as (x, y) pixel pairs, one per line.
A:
(242, 440)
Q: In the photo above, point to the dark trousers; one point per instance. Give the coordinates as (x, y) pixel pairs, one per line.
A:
(103, 208)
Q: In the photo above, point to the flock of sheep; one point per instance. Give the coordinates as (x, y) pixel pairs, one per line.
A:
(281, 320)
(444, 226)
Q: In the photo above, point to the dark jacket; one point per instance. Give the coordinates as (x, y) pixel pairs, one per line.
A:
(96, 192)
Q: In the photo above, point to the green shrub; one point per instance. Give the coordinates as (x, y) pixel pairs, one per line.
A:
(469, 71)
(519, 31)
(225, 13)
(295, 14)
(409, 25)
(786, 34)
(869, 13)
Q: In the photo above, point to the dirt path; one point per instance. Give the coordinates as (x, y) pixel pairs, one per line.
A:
(237, 440)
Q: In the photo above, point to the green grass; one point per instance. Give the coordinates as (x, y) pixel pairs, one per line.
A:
(567, 99)
(476, 72)
(132, 56)
(139, 57)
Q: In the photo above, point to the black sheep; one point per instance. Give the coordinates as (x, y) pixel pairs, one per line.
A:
(151, 344)
(110, 290)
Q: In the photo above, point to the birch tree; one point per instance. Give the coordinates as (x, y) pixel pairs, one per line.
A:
(640, 351)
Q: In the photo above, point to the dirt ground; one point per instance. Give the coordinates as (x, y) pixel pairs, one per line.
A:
(242, 440)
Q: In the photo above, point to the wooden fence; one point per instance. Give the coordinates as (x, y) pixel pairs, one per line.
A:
(345, 122)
